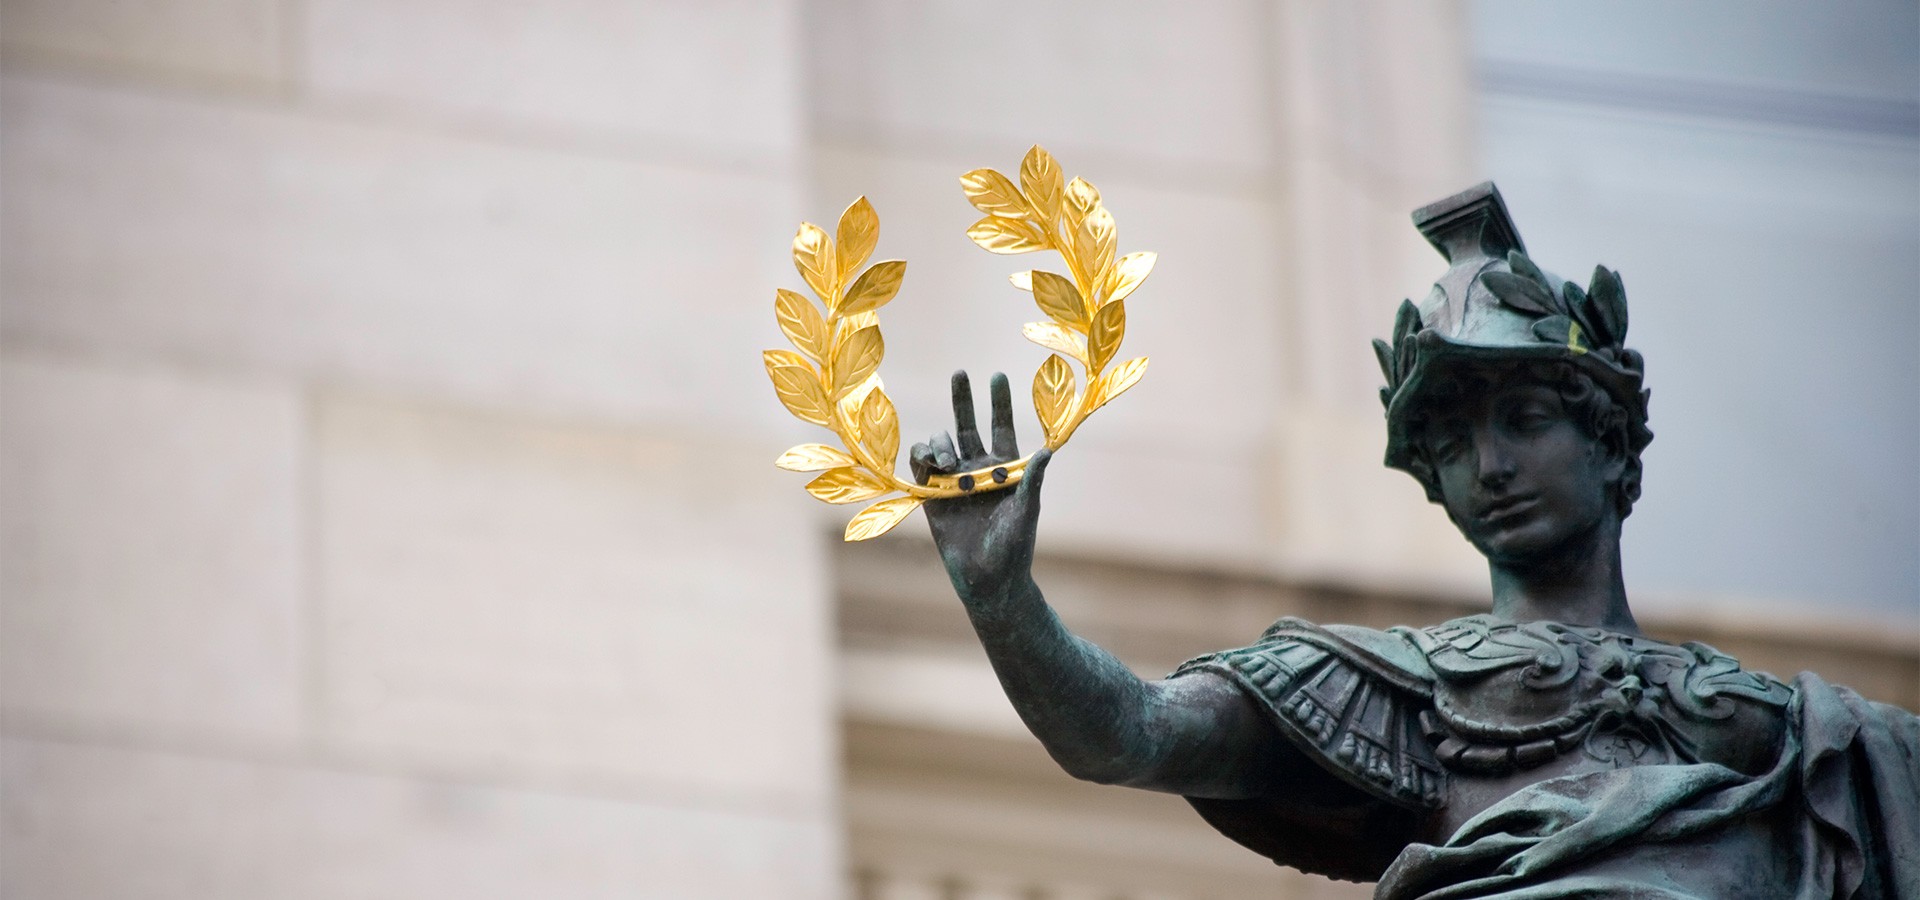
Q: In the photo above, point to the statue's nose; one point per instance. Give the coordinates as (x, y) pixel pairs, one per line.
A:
(1495, 462)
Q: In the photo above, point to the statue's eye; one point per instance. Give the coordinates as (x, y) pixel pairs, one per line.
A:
(1529, 418)
(1445, 446)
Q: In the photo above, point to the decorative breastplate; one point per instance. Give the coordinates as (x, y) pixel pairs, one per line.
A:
(1511, 696)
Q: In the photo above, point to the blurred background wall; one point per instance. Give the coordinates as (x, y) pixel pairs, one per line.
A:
(385, 498)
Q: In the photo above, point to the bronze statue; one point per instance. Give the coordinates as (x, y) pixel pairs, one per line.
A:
(1545, 749)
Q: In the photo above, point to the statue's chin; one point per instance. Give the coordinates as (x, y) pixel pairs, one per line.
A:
(1533, 543)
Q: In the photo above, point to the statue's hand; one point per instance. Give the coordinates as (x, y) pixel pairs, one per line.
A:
(986, 539)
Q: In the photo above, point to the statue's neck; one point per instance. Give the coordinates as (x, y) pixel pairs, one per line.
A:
(1579, 585)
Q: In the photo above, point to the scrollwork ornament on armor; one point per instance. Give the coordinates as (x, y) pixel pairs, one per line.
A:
(1622, 700)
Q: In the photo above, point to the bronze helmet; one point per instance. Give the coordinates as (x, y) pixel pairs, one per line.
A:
(1494, 305)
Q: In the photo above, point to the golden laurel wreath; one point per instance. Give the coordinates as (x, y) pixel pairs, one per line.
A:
(833, 381)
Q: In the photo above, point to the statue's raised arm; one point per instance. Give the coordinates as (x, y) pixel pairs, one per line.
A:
(1100, 721)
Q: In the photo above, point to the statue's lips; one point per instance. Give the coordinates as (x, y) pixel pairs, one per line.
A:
(1506, 507)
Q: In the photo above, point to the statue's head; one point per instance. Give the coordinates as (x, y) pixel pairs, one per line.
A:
(1505, 358)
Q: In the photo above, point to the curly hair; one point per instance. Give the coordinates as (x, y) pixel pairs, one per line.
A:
(1598, 414)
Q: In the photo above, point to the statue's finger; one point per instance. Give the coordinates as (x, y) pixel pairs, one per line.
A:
(1004, 445)
(965, 427)
(920, 459)
(944, 458)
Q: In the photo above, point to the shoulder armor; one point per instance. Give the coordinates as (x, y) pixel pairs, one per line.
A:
(1350, 699)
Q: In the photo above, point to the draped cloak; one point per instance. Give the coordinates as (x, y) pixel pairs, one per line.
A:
(1836, 815)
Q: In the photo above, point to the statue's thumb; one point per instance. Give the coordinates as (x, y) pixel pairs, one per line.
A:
(1036, 472)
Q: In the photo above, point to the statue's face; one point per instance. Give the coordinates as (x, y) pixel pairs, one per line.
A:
(1520, 479)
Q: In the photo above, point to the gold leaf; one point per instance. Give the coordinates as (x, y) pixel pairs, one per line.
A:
(851, 402)
(990, 192)
(859, 320)
(880, 429)
(1082, 197)
(1132, 270)
(801, 323)
(874, 287)
(1054, 336)
(1093, 243)
(856, 358)
(1022, 280)
(858, 232)
(813, 256)
(849, 409)
(880, 518)
(1053, 395)
(847, 485)
(847, 326)
(1103, 340)
(1116, 382)
(813, 458)
(1045, 186)
(1059, 299)
(797, 385)
(997, 235)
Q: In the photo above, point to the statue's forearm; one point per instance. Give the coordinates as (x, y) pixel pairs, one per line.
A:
(1085, 706)
(1102, 723)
